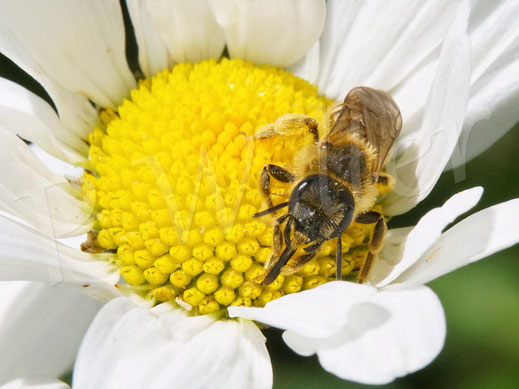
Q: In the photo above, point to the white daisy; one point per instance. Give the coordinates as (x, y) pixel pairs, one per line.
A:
(451, 67)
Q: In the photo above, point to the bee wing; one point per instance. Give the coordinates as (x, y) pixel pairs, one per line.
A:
(371, 114)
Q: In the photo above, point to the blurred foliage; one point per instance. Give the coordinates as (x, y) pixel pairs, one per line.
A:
(481, 301)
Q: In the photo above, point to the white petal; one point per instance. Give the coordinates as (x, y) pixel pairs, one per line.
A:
(30, 191)
(378, 43)
(30, 117)
(491, 111)
(41, 328)
(474, 238)
(494, 31)
(188, 28)
(412, 94)
(308, 67)
(494, 34)
(390, 255)
(270, 31)
(129, 346)
(427, 151)
(228, 354)
(57, 166)
(79, 45)
(389, 336)
(76, 112)
(35, 383)
(340, 17)
(153, 52)
(29, 255)
(425, 234)
(318, 312)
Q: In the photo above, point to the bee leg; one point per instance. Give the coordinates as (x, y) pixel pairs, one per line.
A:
(275, 265)
(277, 236)
(370, 217)
(291, 124)
(276, 269)
(274, 171)
(277, 245)
(376, 242)
(299, 262)
(313, 128)
(385, 183)
(338, 259)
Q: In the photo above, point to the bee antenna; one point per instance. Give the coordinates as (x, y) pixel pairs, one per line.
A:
(338, 259)
(270, 210)
(338, 256)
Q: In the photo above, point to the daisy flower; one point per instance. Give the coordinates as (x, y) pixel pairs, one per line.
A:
(170, 183)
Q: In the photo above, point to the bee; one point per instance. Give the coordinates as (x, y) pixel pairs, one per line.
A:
(336, 180)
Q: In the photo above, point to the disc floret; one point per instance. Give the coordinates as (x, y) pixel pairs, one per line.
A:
(174, 181)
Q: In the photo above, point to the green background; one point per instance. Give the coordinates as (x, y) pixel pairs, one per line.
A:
(481, 301)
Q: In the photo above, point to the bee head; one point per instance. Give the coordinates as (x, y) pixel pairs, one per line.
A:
(321, 207)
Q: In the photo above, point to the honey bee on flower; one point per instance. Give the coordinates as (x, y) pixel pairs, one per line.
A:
(163, 171)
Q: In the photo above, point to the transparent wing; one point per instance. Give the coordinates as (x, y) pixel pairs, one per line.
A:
(371, 114)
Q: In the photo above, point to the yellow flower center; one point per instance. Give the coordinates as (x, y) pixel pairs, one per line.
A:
(175, 180)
